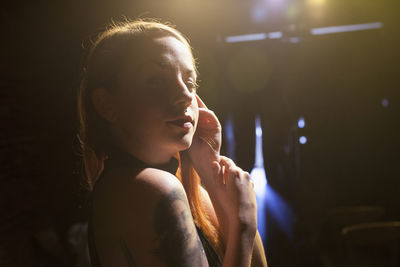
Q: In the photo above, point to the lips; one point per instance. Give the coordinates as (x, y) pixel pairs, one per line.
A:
(185, 121)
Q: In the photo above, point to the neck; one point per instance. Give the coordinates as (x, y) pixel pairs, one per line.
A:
(145, 154)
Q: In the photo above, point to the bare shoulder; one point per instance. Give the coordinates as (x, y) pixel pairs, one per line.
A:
(156, 180)
(164, 232)
(144, 191)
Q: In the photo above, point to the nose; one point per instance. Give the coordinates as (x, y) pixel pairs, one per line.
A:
(184, 96)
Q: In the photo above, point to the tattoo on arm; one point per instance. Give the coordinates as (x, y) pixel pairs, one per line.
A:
(127, 253)
(178, 242)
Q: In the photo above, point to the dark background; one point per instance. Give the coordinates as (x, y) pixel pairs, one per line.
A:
(336, 82)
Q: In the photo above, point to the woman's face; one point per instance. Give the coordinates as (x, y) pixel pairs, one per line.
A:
(156, 104)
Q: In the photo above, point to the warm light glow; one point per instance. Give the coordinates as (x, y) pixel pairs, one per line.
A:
(316, 2)
(292, 11)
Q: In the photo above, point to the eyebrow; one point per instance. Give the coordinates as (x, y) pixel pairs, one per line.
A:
(164, 63)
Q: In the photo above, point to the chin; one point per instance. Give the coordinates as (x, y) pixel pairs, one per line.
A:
(185, 143)
(178, 142)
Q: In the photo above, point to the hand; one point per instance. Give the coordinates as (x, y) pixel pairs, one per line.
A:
(232, 195)
(236, 196)
(206, 144)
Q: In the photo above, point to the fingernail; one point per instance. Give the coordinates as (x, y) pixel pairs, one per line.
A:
(216, 168)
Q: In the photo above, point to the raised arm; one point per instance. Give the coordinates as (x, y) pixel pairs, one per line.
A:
(236, 218)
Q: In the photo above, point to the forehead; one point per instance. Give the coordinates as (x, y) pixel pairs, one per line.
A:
(165, 53)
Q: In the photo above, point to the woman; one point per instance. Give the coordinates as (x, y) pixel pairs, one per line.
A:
(162, 195)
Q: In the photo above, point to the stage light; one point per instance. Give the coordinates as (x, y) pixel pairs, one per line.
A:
(269, 202)
(259, 12)
(275, 35)
(258, 131)
(259, 158)
(276, 2)
(385, 102)
(246, 38)
(316, 9)
(303, 140)
(301, 122)
(259, 178)
(347, 28)
(294, 40)
(292, 11)
(276, 5)
(280, 211)
(252, 37)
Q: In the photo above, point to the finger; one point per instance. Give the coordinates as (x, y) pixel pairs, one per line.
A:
(216, 168)
(227, 162)
(208, 119)
(200, 102)
(218, 172)
(206, 113)
(243, 174)
(252, 184)
(224, 175)
(231, 171)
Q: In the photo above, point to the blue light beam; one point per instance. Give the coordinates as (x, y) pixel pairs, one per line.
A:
(269, 202)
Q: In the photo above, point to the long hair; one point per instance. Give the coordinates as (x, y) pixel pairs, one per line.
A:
(104, 61)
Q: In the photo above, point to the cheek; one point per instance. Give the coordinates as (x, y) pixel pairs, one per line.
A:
(130, 113)
(126, 109)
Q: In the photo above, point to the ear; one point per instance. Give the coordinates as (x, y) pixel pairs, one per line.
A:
(103, 103)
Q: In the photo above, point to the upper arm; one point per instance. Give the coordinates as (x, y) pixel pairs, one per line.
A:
(168, 224)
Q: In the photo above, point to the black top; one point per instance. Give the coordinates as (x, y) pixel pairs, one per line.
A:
(118, 157)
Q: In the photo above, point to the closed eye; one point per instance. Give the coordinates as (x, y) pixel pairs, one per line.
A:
(192, 85)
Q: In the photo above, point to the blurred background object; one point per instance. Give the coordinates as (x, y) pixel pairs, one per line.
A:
(372, 244)
(322, 75)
